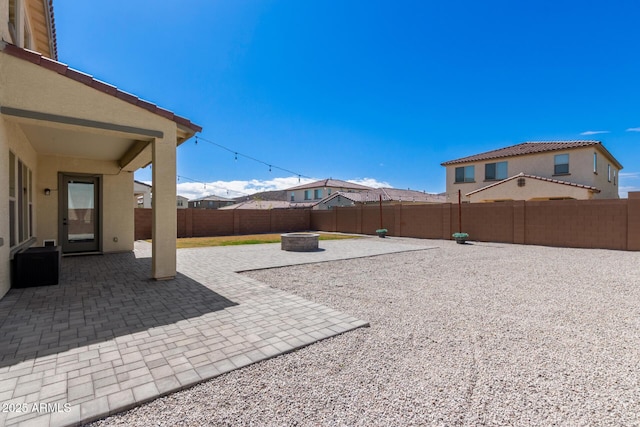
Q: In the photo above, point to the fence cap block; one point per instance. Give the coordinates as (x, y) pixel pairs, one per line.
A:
(634, 195)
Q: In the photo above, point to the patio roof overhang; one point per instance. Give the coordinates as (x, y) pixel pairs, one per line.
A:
(63, 113)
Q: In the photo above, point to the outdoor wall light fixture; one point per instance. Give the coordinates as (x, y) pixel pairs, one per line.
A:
(47, 191)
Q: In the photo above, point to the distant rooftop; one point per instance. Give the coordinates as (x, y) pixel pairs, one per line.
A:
(389, 195)
(333, 183)
(531, 147)
(268, 204)
(212, 198)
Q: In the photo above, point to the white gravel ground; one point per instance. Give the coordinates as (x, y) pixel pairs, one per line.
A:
(482, 334)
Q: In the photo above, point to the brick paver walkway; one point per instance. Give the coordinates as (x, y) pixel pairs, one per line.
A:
(109, 338)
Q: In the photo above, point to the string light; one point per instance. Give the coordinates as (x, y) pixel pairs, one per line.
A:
(236, 154)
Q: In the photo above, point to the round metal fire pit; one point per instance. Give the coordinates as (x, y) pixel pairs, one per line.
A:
(299, 242)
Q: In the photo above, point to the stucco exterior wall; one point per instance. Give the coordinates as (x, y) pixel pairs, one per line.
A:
(4, 210)
(299, 194)
(334, 202)
(12, 138)
(542, 164)
(117, 192)
(534, 189)
(32, 87)
(4, 21)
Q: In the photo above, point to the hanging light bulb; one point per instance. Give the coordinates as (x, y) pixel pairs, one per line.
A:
(235, 157)
(269, 168)
(298, 179)
(196, 139)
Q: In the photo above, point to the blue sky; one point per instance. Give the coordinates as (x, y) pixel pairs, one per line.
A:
(371, 91)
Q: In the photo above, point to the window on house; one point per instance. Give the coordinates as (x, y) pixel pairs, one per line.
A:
(495, 171)
(20, 201)
(293, 196)
(614, 176)
(609, 172)
(317, 194)
(595, 162)
(465, 174)
(307, 194)
(561, 164)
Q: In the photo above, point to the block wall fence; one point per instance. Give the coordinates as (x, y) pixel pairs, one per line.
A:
(214, 222)
(605, 224)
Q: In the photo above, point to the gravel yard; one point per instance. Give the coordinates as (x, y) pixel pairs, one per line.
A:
(481, 334)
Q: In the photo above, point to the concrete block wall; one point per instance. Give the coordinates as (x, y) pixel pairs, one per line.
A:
(607, 224)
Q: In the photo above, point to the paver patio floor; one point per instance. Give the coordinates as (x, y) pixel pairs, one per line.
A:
(109, 338)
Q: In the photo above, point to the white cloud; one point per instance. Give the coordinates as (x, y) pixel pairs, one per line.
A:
(633, 130)
(370, 182)
(594, 132)
(629, 175)
(628, 183)
(231, 189)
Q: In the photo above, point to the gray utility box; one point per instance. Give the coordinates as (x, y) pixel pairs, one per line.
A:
(37, 267)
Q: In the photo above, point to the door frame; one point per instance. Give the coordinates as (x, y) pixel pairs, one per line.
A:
(63, 205)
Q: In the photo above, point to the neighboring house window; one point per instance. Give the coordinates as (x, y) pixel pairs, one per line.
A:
(328, 192)
(307, 194)
(465, 174)
(210, 204)
(614, 177)
(20, 201)
(595, 162)
(561, 164)
(495, 171)
(293, 196)
(609, 173)
(179, 202)
(317, 194)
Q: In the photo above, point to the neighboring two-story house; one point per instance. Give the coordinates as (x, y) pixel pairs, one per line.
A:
(69, 146)
(318, 190)
(182, 202)
(210, 202)
(550, 170)
(142, 194)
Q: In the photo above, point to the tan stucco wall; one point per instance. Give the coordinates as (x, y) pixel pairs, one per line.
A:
(580, 171)
(4, 20)
(117, 192)
(165, 228)
(534, 189)
(31, 87)
(12, 138)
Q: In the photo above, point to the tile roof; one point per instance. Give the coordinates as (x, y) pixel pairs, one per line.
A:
(540, 178)
(63, 69)
(334, 183)
(268, 204)
(142, 183)
(211, 197)
(526, 148)
(388, 195)
(52, 28)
